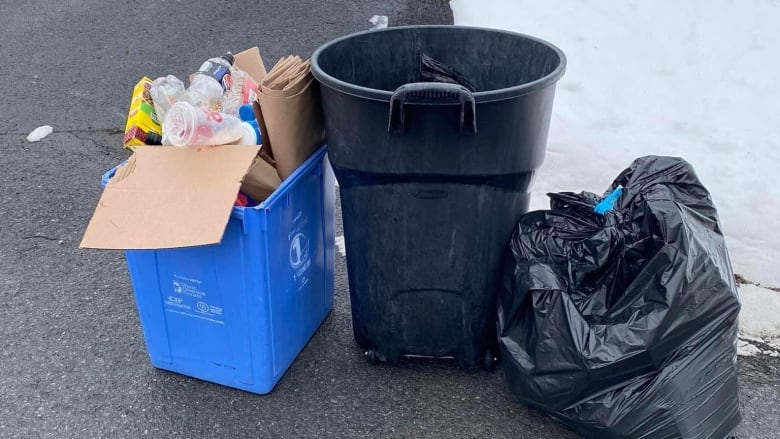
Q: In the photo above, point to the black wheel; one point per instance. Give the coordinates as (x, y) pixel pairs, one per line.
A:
(490, 361)
(372, 357)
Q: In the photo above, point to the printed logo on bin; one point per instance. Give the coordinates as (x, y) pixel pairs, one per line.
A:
(299, 250)
(177, 287)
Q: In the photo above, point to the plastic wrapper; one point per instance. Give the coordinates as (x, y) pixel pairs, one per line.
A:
(432, 70)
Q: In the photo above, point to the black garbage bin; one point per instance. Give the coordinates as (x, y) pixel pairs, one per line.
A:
(433, 178)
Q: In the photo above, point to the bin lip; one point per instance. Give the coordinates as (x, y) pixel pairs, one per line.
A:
(480, 96)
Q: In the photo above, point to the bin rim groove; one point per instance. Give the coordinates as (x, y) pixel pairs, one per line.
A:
(480, 96)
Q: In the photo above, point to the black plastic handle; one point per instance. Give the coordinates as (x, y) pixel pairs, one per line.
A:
(432, 93)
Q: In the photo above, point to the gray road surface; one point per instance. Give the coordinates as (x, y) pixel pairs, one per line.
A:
(72, 357)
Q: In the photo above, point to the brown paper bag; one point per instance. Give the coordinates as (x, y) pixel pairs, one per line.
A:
(291, 83)
(279, 70)
(298, 82)
(261, 180)
(292, 126)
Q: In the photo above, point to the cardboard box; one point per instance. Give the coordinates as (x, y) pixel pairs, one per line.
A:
(142, 118)
(169, 198)
(166, 197)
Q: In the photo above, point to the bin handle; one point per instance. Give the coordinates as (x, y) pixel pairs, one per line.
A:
(432, 93)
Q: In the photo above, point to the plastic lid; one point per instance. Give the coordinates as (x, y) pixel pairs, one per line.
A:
(153, 138)
(179, 124)
(229, 58)
(249, 136)
(246, 112)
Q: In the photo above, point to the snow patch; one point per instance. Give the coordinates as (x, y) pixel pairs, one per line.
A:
(745, 349)
(760, 314)
(378, 22)
(690, 79)
(748, 337)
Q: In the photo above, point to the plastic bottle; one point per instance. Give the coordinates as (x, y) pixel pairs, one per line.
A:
(211, 81)
(186, 124)
(165, 92)
(235, 96)
(250, 135)
(247, 114)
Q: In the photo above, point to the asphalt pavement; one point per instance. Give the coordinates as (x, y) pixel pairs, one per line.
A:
(72, 356)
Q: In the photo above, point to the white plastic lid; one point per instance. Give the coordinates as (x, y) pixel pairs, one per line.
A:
(250, 135)
(179, 124)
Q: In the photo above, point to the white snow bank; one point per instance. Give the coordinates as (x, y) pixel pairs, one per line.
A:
(696, 79)
(760, 315)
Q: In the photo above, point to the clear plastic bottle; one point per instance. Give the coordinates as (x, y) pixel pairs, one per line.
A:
(235, 96)
(165, 92)
(186, 124)
(211, 81)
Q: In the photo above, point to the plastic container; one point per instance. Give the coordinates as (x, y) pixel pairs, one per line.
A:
(247, 115)
(234, 97)
(211, 81)
(186, 124)
(165, 92)
(238, 313)
(433, 178)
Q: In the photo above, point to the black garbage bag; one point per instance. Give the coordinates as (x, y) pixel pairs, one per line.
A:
(432, 70)
(624, 325)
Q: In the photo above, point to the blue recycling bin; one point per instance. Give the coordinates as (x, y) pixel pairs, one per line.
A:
(239, 312)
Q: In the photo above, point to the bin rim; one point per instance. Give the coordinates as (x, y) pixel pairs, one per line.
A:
(479, 96)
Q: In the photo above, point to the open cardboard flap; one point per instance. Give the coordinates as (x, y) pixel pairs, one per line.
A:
(166, 197)
(250, 61)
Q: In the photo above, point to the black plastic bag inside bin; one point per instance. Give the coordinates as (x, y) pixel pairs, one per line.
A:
(432, 70)
(624, 325)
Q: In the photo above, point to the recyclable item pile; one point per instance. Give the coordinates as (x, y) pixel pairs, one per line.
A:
(216, 108)
(232, 100)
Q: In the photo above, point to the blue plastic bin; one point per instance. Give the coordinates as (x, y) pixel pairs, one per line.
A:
(238, 313)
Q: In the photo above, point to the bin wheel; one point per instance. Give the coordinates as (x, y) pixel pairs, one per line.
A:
(372, 357)
(490, 361)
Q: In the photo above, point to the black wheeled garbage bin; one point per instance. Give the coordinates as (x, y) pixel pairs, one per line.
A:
(433, 178)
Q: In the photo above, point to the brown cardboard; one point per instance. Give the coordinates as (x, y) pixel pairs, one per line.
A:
(298, 83)
(251, 62)
(289, 75)
(279, 69)
(166, 197)
(292, 125)
(293, 81)
(261, 180)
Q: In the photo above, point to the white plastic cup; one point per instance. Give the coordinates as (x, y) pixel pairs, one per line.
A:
(186, 125)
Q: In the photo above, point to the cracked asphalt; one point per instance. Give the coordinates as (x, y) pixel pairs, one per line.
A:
(72, 357)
